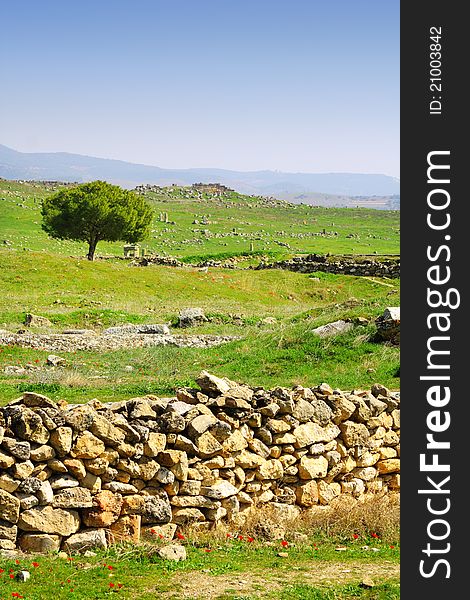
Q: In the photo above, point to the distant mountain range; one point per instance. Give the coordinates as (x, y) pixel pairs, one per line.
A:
(62, 166)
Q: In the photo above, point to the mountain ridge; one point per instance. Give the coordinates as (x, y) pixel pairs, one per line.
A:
(65, 166)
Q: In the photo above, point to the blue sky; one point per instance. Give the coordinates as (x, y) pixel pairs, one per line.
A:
(292, 85)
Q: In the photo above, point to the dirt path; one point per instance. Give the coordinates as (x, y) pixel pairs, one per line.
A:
(200, 585)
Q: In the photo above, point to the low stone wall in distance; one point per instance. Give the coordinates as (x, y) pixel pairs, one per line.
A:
(80, 476)
(366, 267)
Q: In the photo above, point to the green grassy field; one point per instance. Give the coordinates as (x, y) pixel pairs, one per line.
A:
(224, 570)
(226, 226)
(51, 278)
(76, 293)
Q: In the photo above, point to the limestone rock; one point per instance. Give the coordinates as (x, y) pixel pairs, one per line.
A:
(190, 317)
(28, 425)
(105, 511)
(36, 321)
(42, 453)
(220, 490)
(46, 519)
(87, 446)
(103, 429)
(388, 325)
(212, 385)
(126, 529)
(86, 540)
(156, 509)
(271, 469)
(39, 543)
(354, 434)
(313, 468)
(155, 443)
(207, 445)
(391, 465)
(174, 552)
(61, 440)
(9, 507)
(77, 497)
(20, 450)
(331, 329)
(307, 493)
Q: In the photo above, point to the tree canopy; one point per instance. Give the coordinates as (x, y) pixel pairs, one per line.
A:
(96, 211)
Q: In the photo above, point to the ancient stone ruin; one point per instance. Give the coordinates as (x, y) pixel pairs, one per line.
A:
(79, 476)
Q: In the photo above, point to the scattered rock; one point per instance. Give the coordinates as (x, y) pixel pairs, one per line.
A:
(334, 328)
(173, 552)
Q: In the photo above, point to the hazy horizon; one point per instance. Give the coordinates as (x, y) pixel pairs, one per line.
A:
(300, 87)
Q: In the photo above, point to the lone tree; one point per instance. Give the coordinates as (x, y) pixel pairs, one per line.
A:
(96, 211)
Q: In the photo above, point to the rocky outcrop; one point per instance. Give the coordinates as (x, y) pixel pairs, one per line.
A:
(77, 476)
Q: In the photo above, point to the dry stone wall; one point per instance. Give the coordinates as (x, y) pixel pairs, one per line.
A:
(79, 476)
(312, 263)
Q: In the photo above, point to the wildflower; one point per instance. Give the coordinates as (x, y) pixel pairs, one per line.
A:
(180, 536)
(12, 576)
(35, 564)
(161, 536)
(284, 544)
(229, 535)
(120, 585)
(17, 561)
(152, 531)
(355, 536)
(240, 537)
(392, 547)
(68, 580)
(111, 585)
(110, 567)
(207, 549)
(250, 539)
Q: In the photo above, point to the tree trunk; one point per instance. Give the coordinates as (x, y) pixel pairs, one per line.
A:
(91, 248)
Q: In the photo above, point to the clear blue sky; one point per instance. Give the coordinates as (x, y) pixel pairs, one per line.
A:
(293, 85)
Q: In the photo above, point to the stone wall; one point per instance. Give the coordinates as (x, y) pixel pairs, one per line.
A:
(310, 264)
(78, 476)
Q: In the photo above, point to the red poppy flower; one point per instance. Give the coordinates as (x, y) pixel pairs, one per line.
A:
(240, 537)
(35, 564)
(284, 544)
(17, 561)
(110, 567)
(12, 576)
(250, 539)
(207, 549)
(392, 547)
(120, 585)
(111, 585)
(229, 535)
(355, 536)
(180, 536)
(161, 536)
(69, 580)
(152, 531)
